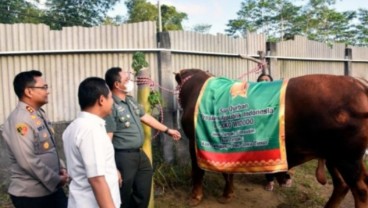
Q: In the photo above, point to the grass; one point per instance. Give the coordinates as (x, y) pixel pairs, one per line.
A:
(305, 192)
(171, 177)
(173, 185)
(5, 201)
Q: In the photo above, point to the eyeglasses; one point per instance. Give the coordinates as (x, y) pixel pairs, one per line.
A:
(45, 87)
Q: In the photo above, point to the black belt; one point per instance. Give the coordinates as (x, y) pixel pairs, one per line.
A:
(128, 150)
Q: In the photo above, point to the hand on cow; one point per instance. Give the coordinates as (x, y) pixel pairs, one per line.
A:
(175, 134)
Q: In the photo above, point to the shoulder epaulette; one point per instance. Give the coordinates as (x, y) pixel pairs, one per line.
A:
(29, 109)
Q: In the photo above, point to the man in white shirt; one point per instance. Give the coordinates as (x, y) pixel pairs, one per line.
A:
(89, 152)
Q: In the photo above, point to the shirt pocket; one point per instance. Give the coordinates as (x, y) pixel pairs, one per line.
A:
(42, 142)
(123, 120)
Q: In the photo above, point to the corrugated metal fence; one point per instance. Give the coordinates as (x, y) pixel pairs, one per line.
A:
(222, 56)
(68, 56)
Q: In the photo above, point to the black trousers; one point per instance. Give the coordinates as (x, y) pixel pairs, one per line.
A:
(136, 170)
(55, 200)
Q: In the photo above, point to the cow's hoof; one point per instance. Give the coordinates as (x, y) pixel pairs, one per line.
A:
(225, 200)
(194, 201)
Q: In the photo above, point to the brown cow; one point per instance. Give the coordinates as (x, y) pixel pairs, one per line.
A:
(326, 117)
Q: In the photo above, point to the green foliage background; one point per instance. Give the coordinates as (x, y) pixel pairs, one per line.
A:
(279, 19)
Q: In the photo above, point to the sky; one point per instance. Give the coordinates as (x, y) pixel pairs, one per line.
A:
(218, 12)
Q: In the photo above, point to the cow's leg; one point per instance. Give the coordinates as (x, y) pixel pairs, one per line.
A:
(197, 178)
(340, 188)
(356, 176)
(228, 193)
(197, 190)
(360, 191)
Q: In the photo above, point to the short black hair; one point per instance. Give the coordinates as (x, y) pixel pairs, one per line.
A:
(23, 80)
(112, 75)
(264, 75)
(90, 90)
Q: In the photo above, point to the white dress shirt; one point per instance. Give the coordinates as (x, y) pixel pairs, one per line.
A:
(89, 153)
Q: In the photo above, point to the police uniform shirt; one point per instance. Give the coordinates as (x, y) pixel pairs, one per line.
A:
(34, 162)
(125, 123)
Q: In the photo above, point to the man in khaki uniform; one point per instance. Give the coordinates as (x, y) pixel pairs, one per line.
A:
(124, 126)
(37, 173)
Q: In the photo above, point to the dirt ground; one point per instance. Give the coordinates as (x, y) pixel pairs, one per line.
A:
(250, 194)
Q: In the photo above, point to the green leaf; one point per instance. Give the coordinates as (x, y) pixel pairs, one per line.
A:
(154, 98)
(139, 61)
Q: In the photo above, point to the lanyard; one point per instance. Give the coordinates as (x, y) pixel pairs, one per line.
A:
(51, 135)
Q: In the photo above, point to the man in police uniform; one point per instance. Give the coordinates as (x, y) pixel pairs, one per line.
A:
(125, 129)
(37, 173)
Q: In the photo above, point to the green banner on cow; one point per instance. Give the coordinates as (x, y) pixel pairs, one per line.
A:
(240, 126)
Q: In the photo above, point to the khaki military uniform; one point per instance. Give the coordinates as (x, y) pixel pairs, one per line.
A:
(35, 164)
(134, 165)
(125, 123)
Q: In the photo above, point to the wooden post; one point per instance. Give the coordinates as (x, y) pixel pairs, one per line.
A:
(261, 55)
(143, 93)
(347, 65)
(271, 61)
(166, 78)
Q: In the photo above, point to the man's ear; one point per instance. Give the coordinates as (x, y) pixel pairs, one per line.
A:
(28, 92)
(101, 100)
(116, 84)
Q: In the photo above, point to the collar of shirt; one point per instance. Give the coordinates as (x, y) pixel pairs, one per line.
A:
(118, 100)
(92, 117)
(24, 105)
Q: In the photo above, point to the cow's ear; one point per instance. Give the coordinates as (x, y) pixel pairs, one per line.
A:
(178, 78)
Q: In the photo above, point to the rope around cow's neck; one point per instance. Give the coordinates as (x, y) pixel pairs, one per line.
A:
(258, 69)
(145, 80)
